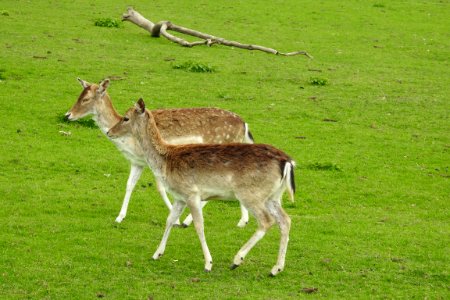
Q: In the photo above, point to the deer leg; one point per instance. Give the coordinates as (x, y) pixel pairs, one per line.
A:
(194, 204)
(244, 217)
(284, 222)
(174, 214)
(265, 221)
(135, 174)
(242, 222)
(188, 219)
(162, 192)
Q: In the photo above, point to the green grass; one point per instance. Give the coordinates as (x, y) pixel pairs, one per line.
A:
(371, 217)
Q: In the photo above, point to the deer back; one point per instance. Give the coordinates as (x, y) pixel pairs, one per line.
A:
(225, 169)
(213, 125)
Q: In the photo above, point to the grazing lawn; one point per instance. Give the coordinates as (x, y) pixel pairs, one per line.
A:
(367, 121)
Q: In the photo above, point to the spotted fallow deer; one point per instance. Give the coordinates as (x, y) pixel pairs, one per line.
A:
(177, 126)
(255, 174)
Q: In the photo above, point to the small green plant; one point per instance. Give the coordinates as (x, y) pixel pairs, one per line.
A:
(318, 81)
(107, 22)
(224, 96)
(2, 75)
(379, 5)
(317, 166)
(4, 13)
(195, 67)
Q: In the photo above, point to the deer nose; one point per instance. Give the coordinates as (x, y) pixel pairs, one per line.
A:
(67, 115)
(109, 135)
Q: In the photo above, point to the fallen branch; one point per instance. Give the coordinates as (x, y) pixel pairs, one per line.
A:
(162, 28)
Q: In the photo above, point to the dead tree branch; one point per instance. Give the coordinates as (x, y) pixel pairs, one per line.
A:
(162, 28)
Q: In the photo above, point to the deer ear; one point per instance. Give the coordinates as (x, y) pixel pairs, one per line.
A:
(102, 86)
(140, 106)
(83, 83)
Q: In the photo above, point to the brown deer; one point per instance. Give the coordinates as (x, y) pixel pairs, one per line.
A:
(177, 126)
(255, 174)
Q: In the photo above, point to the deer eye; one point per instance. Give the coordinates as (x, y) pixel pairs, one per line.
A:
(85, 100)
(125, 119)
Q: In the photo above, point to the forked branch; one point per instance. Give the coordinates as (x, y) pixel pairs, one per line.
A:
(162, 28)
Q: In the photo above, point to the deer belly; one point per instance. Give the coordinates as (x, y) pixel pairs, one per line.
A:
(217, 193)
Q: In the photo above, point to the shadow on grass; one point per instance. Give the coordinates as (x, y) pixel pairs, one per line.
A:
(88, 123)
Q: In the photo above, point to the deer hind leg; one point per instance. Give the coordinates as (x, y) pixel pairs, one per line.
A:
(284, 222)
(265, 221)
(162, 192)
(135, 174)
(194, 204)
(175, 213)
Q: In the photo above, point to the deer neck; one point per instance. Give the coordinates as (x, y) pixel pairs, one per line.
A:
(155, 148)
(105, 114)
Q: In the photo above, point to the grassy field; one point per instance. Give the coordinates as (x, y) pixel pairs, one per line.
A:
(367, 121)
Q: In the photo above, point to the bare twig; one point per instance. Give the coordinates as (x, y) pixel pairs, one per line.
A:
(161, 28)
(167, 25)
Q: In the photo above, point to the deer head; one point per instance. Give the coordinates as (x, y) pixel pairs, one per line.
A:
(133, 117)
(88, 100)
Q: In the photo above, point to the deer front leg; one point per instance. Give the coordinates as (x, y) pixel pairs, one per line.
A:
(242, 222)
(162, 192)
(188, 219)
(135, 174)
(194, 204)
(174, 214)
(244, 217)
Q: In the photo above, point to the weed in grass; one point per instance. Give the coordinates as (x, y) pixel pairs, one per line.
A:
(107, 22)
(318, 81)
(329, 120)
(309, 290)
(318, 166)
(194, 67)
(2, 74)
(225, 97)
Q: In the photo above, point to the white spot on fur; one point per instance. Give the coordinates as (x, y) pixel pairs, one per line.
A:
(194, 139)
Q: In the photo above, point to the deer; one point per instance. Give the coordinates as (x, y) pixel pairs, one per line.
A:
(177, 126)
(255, 174)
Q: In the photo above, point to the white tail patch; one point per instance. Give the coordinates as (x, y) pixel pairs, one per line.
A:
(248, 138)
(288, 177)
